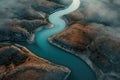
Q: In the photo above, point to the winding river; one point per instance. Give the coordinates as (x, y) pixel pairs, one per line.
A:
(80, 70)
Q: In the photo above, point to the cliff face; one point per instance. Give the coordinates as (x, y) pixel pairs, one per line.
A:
(18, 63)
(95, 45)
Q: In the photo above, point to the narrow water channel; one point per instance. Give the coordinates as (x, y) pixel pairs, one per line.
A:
(80, 70)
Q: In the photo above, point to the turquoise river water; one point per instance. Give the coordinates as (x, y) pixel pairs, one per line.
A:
(79, 69)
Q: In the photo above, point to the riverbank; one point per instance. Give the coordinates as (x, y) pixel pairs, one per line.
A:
(79, 55)
(21, 61)
(94, 45)
(18, 24)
